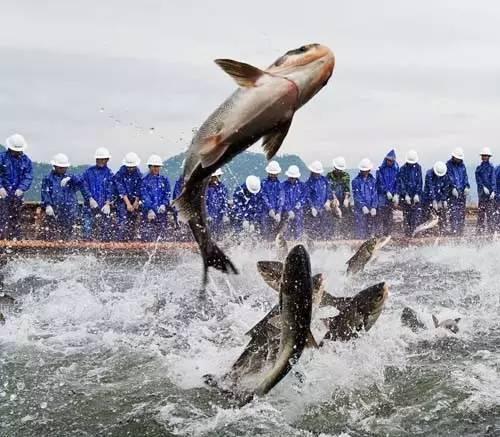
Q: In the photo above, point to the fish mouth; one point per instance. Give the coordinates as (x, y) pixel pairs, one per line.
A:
(297, 269)
(304, 55)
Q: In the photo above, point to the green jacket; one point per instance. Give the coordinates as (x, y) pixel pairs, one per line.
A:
(340, 182)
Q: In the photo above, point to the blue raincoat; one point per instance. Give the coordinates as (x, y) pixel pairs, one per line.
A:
(387, 180)
(410, 183)
(63, 201)
(15, 173)
(155, 192)
(248, 207)
(217, 208)
(436, 188)
(364, 192)
(272, 196)
(295, 199)
(127, 183)
(485, 177)
(319, 192)
(459, 180)
(97, 183)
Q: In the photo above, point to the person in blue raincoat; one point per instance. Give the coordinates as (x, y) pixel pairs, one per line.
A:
(459, 192)
(217, 205)
(59, 199)
(155, 197)
(410, 185)
(128, 181)
(437, 190)
(248, 207)
(16, 176)
(364, 192)
(272, 196)
(294, 202)
(97, 191)
(319, 217)
(486, 193)
(387, 188)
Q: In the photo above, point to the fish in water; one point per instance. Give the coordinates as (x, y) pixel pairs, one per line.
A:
(429, 224)
(262, 107)
(365, 253)
(281, 243)
(295, 313)
(409, 318)
(358, 314)
(449, 324)
(280, 337)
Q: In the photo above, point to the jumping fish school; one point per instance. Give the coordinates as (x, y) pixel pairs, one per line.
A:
(130, 206)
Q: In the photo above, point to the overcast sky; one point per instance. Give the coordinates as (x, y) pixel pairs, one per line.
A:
(80, 74)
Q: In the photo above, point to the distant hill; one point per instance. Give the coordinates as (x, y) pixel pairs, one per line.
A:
(240, 167)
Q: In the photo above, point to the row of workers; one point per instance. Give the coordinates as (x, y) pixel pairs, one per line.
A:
(260, 207)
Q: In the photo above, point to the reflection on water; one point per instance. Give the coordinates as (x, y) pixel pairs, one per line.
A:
(119, 347)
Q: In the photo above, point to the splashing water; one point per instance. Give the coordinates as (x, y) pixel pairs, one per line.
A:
(119, 347)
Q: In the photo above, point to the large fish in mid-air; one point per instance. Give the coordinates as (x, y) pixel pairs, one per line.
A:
(365, 253)
(262, 107)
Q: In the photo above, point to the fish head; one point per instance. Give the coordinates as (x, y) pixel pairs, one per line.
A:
(309, 67)
(296, 282)
(271, 272)
(370, 302)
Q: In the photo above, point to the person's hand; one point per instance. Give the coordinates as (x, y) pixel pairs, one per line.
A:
(314, 212)
(435, 205)
(246, 225)
(49, 211)
(3, 193)
(466, 191)
(291, 215)
(389, 195)
(130, 207)
(408, 199)
(272, 213)
(455, 192)
(416, 198)
(373, 212)
(486, 191)
(395, 199)
(328, 205)
(225, 219)
(346, 202)
(19, 193)
(277, 218)
(365, 210)
(151, 215)
(492, 195)
(445, 204)
(92, 203)
(106, 209)
(162, 209)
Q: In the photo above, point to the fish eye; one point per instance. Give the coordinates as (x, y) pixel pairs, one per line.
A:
(303, 49)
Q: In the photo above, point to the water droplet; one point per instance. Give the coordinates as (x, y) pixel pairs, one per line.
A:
(13, 397)
(20, 385)
(3, 394)
(43, 405)
(151, 130)
(101, 109)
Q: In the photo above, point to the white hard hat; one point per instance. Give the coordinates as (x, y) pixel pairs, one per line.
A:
(365, 165)
(273, 168)
(293, 172)
(440, 168)
(458, 153)
(486, 151)
(412, 157)
(217, 172)
(253, 184)
(131, 160)
(16, 142)
(60, 160)
(155, 160)
(316, 167)
(339, 163)
(102, 153)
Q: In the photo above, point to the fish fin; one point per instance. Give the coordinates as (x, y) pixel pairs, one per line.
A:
(435, 320)
(211, 150)
(458, 319)
(216, 258)
(245, 75)
(311, 341)
(276, 269)
(272, 141)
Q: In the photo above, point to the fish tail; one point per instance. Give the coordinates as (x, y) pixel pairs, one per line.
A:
(214, 257)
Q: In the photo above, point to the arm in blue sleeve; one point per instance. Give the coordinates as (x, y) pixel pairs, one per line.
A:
(356, 193)
(168, 192)
(46, 193)
(27, 179)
